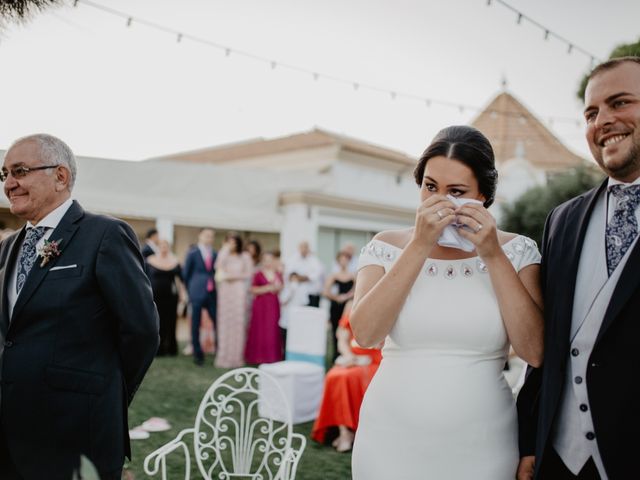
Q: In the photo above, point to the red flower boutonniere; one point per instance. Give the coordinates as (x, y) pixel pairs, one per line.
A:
(49, 250)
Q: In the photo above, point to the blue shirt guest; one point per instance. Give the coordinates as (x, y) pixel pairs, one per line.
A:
(78, 326)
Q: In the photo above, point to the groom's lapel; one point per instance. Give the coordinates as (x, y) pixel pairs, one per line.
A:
(5, 278)
(572, 235)
(63, 234)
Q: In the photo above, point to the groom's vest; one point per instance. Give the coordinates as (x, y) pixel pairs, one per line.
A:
(574, 436)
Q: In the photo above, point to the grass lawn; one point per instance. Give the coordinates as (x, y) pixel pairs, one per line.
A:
(173, 389)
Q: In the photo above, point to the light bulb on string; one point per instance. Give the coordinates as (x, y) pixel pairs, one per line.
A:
(179, 38)
(129, 21)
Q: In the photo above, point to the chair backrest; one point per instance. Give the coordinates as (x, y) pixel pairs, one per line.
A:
(231, 440)
(307, 335)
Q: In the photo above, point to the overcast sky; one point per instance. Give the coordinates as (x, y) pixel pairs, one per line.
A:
(134, 93)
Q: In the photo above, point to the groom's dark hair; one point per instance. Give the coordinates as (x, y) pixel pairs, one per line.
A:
(469, 146)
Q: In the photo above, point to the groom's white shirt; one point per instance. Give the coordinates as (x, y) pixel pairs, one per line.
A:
(51, 221)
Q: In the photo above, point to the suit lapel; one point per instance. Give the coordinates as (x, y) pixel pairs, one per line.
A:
(63, 234)
(628, 283)
(13, 249)
(573, 233)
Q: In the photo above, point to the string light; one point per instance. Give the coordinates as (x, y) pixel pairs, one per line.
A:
(356, 85)
(570, 45)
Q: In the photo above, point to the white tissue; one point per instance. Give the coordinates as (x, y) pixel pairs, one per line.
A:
(450, 236)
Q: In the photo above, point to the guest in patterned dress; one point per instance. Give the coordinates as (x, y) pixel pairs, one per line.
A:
(233, 268)
(264, 342)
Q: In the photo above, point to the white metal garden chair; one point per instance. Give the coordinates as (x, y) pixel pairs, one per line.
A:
(230, 440)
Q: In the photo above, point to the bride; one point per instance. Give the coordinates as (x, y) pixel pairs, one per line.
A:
(448, 296)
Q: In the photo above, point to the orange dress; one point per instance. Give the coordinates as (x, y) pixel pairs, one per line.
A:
(344, 389)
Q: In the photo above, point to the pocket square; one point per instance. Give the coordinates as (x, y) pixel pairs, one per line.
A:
(63, 267)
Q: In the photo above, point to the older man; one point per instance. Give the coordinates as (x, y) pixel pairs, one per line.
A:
(77, 323)
(585, 398)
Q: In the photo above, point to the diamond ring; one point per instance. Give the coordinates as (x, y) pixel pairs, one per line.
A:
(478, 228)
(439, 212)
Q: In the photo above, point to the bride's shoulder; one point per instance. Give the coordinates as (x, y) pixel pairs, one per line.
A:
(397, 238)
(506, 237)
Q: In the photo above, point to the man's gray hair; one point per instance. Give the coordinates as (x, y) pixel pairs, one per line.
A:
(54, 152)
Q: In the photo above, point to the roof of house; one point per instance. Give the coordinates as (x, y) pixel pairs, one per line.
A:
(515, 132)
(315, 138)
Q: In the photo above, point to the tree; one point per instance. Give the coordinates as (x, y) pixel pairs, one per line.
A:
(527, 214)
(21, 10)
(622, 50)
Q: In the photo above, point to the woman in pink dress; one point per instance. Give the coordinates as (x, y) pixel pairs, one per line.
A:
(264, 342)
(233, 268)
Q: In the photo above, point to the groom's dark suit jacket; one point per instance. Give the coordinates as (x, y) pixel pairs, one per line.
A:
(76, 348)
(614, 365)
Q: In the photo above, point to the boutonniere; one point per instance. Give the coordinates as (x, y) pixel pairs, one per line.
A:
(49, 250)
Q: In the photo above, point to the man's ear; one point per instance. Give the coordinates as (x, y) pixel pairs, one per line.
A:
(63, 177)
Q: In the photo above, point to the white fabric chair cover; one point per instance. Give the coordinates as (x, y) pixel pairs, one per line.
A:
(301, 376)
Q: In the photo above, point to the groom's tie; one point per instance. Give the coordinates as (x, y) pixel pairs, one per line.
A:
(28, 255)
(623, 226)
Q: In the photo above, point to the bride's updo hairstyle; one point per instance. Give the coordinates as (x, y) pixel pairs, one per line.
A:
(469, 146)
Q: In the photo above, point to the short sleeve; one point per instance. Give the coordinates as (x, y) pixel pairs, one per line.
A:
(522, 252)
(378, 253)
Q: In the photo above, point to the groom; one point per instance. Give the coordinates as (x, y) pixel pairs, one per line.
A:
(579, 413)
(78, 327)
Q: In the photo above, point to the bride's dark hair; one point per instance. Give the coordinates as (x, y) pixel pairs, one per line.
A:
(469, 146)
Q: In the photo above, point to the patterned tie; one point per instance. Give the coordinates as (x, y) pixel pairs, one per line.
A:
(623, 226)
(28, 254)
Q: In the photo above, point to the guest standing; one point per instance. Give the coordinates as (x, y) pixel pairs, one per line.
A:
(165, 274)
(264, 342)
(151, 240)
(309, 271)
(198, 275)
(233, 268)
(339, 289)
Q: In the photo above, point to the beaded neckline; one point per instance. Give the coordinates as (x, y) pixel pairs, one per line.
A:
(389, 252)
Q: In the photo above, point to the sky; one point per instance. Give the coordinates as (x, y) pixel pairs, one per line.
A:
(133, 92)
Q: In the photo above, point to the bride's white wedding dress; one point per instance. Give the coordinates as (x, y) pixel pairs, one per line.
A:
(439, 407)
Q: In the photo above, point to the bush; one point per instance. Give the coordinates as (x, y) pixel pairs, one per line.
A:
(527, 214)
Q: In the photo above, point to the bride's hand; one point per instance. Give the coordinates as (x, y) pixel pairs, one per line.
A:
(482, 230)
(435, 213)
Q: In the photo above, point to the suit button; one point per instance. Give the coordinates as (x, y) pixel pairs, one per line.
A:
(583, 407)
(578, 380)
(8, 344)
(590, 435)
(575, 352)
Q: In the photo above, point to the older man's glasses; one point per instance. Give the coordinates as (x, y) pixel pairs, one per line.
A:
(21, 171)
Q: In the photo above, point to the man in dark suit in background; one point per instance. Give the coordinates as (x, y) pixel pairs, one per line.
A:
(78, 327)
(198, 274)
(579, 413)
